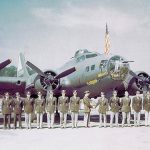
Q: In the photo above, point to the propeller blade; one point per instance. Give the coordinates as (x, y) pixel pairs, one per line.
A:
(48, 90)
(127, 61)
(145, 89)
(147, 81)
(5, 63)
(134, 75)
(36, 78)
(36, 69)
(65, 73)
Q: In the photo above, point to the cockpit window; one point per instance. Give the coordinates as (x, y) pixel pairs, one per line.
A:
(80, 52)
(117, 69)
(92, 67)
(87, 68)
(91, 55)
(103, 63)
(82, 58)
(115, 63)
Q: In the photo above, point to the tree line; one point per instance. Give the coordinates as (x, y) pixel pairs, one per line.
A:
(10, 71)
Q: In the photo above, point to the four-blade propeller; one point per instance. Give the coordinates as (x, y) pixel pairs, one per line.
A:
(143, 81)
(48, 78)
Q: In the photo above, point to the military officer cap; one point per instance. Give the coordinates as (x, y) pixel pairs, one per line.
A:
(7, 94)
(17, 94)
(28, 93)
(75, 92)
(137, 92)
(63, 91)
(51, 92)
(87, 92)
(39, 93)
(102, 93)
(115, 92)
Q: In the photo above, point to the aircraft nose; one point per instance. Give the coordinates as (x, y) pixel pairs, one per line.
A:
(118, 70)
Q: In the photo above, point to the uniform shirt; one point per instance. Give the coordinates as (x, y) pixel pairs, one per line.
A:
(28, 105)
(7, 106)
(115, 104)
(39, 105)
(137, 104)
(125, 102)
(51, 104)
(74, 104)
(103, 105)
(17, 106)
(146, 103)
(63, 104)
(87, 105)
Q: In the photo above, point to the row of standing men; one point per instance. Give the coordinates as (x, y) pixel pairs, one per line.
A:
(39, 106)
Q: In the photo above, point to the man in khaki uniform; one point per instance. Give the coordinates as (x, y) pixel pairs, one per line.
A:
(74, 108)
(115, 107)
(6, 110)
(146, 107)
(63, 106)
(28, 109)
(137, 107)
(87, 108)
(51, 103)
(39, 110)
(103, 108)
(126, 108)
(17, 104)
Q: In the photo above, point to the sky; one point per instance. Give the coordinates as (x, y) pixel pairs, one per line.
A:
(49, 32)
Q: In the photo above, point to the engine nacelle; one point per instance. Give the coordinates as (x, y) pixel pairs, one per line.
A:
(132, 84)
(44, 83)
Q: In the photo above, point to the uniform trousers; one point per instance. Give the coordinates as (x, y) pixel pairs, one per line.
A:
(137, 118)
(50, 119)
(28, 120)
(74, 118)
(100, 119)
(86, 119)
(39, 120)
(147, 118)
(126, 115)
(7, 120)
(112, 115)
(17, 116)
(63, 119)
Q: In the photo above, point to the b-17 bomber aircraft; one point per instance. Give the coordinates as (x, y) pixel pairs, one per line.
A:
(85, 71)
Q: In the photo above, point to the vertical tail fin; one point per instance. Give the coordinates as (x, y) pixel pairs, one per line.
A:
(22, 68)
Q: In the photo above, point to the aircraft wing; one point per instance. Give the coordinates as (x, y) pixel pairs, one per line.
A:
(12, 85)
